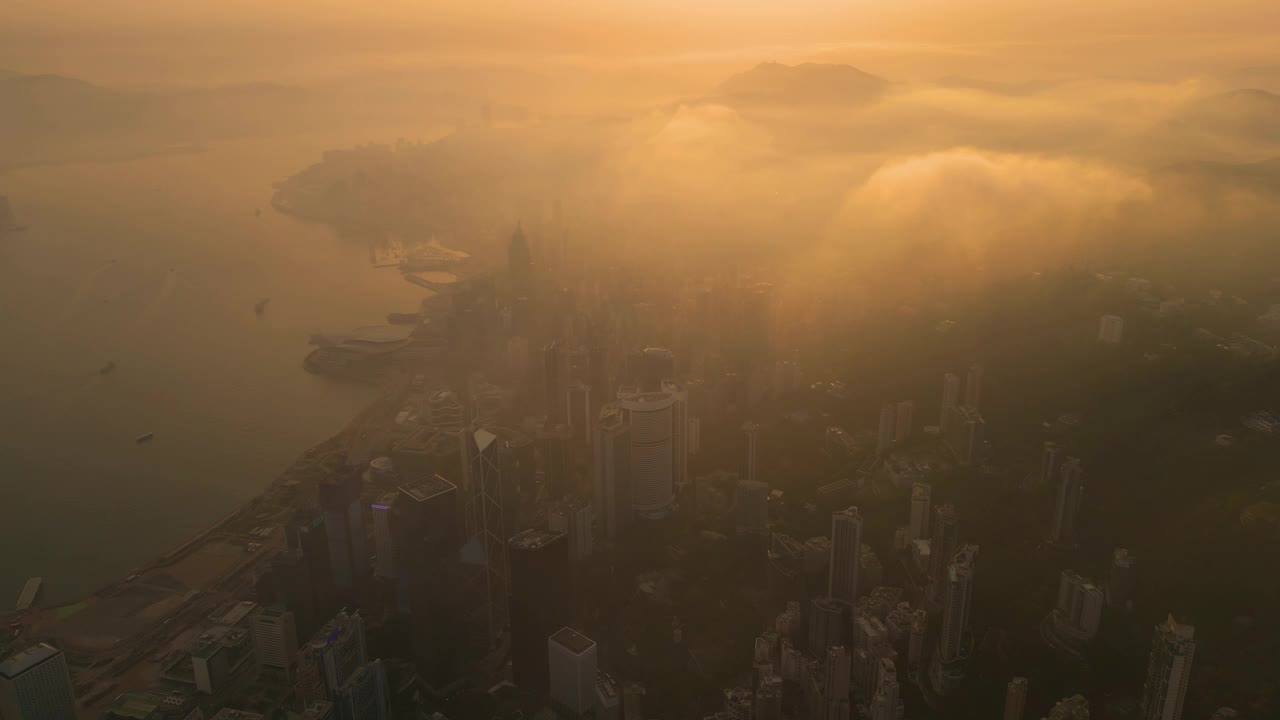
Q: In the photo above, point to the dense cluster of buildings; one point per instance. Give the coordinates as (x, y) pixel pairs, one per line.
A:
(561, 426)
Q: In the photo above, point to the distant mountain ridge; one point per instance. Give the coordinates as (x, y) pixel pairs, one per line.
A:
(806, 84)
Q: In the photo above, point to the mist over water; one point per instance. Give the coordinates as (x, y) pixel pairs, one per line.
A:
(155, 265)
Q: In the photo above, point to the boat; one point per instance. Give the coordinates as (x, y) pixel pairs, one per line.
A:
(261, 306)
(107, 369)
(141, 439)
(403, 318)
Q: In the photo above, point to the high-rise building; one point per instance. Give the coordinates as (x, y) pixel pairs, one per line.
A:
(364, 695)
(903, 423)
(1168, 670)
(384, 543)
(957, 605)
(885, 703)
(943, 542)
(1078, 614)
(695, 434)
(344, 528)
(540, 601)
(679, 431)
(612, 471)
(425, 526)
(330, 658)
(1050, 462)
(887, 428)
(571, 659)
(752, 432)
(965, 434)
(1123, 577)
(491, 460)
(554, 376)
(1075, 707)
(608, 697)
(578, 402)
(35, 684)
(275, 640)
(950, 398)
(837, 666)
(574, 517)
(973, 388)
(651, 417)
(825, 625)
(921, 494)
(915, 643)
(1111, 329)
(519, 260)
(1066, 504)
(739, 703)
(751, 508)
(870, 570)
(846, 554)
(769, 699)
(1015, 699)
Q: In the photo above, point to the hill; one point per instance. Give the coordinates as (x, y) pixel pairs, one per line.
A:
(807, 84)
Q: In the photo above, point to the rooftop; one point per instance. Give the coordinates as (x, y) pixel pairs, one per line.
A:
(24, 660)
(572, 640)
(424, 489)
(533, 539)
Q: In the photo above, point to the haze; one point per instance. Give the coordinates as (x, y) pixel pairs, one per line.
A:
(864, 254)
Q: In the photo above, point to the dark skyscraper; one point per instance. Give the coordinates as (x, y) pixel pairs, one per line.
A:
(519, 259)
(300, 577)
(553, 377)
(540, 602)
(424, 522)
(945, 540)
(344, 527)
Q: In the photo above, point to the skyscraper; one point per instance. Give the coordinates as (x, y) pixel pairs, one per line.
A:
(1123, 577)
(364, 695)
(330, 658)
(488, 457)
(846, 554)
(384, 543)
(838, 665)
(944, 540)
(1015, 699)
(36, 685)
(424, 523)
(1078, 613)
(612, 471)
(751, 508)
(679, 431)
(554, 377)
(950, 398)
(888, 427)
(1066, 505)
(920, 499)
(540, 601)
(1111, 329)
(885, 703)
(965, 434)
(1050, 460)
(574, 517)
(519, 260)
(578, 402)
(752, 431)
(651, 417)
(957, 605)
(973, 388)
(571, 658)
(825, 625)
(275, 640)
(905, 417)
(344, 528)
(1168, 670)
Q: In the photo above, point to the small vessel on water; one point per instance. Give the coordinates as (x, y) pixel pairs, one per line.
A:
(107, 369)
(142, 439)
(261, 306)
